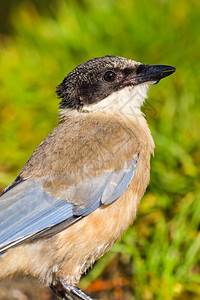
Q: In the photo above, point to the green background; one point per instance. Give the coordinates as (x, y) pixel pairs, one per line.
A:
(160, 255)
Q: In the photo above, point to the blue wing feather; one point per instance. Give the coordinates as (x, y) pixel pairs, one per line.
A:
(27, 209)
(30, 210)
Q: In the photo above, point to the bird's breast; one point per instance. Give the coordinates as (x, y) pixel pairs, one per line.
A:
(87, 240)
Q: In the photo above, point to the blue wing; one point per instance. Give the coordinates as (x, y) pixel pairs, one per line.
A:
(28, 211)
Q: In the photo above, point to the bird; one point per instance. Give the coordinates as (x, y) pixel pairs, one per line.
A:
(81, 188)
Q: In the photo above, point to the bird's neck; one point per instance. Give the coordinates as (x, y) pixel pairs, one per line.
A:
(124, 104)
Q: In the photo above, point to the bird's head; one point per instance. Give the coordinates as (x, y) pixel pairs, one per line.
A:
(109, 82)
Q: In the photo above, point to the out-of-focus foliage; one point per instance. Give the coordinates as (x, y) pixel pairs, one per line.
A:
(162, 250)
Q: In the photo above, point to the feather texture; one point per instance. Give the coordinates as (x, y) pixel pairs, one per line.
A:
(27, 209)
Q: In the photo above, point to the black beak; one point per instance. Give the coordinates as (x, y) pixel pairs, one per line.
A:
(153, 73)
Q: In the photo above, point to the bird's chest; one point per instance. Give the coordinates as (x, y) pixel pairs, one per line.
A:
(90, 238)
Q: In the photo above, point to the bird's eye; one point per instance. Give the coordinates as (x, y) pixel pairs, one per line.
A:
(109, 76)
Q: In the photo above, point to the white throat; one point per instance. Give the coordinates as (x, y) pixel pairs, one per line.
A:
(127, 101)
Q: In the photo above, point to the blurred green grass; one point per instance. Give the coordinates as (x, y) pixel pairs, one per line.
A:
(162, 249)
